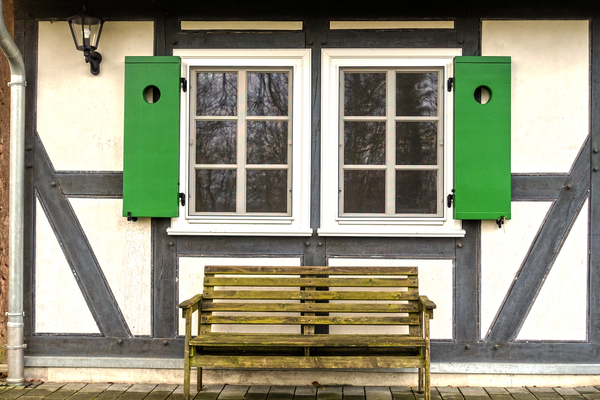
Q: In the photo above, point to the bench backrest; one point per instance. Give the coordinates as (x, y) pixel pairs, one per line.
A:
(310, 296)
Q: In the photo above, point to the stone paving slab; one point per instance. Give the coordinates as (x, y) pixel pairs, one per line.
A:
(124, 391)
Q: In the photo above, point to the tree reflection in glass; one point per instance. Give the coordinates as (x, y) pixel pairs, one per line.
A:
(364, 142)
(364, 191)
(215, 190)
(416, 93)
(416, 192)
(267, 142)
(364, 94)
(216, 142)
(266, 191)
(216, 93)
(268, 93)
(416, 143)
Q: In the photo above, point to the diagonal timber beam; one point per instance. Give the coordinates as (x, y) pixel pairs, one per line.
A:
(543, 251)
(79, 254)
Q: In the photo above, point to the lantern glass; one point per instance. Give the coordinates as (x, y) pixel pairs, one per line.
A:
(86, 31)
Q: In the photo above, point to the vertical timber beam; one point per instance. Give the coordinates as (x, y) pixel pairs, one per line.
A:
(468, 249)
(26, 38)
(164, 247)
(594, 263)
(466, 286)
(316, 30)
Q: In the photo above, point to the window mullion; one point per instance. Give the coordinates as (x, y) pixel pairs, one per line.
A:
(390, 148)
(241, 143)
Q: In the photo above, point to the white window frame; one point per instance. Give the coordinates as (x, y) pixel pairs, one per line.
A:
(332, 224)
(296, 224)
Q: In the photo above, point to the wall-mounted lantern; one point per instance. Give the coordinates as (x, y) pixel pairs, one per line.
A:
(86, 31)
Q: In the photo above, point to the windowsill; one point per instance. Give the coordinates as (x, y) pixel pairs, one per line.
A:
(233, 229)
(390, 231)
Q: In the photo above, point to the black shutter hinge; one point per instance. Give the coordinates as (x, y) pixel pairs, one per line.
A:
(450, 84)
(500, 221)
(450, 198)
(130, 218)
(182, 199)
(184, 84)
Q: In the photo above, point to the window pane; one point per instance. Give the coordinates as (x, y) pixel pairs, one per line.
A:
(267, 142)
(416, 192)
(364, 191)
(216, 142)
(416, 143)
(416, 94)
(216, 93)
(364, 94)
(268, 93)
(215, 190)
(266, 191)
(364, 143)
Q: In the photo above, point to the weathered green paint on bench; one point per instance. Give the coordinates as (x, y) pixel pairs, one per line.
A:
(365, 296)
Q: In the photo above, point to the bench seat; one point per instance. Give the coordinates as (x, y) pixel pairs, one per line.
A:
(299, 340)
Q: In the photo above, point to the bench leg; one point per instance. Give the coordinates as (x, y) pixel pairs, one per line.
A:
(186, 377)
(421, 382)
(199, 379)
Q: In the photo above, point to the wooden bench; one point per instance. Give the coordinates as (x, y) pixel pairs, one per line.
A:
(296, 299)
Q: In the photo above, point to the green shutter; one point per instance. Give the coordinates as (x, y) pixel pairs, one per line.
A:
(151, 143)
(482, 138)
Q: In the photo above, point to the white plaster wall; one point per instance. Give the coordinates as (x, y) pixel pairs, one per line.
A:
(191, 277)
(550, 89)
(560, 309)
(502, 253)
(123, 251)
(436, 281)
(59, 304)
(80, 116)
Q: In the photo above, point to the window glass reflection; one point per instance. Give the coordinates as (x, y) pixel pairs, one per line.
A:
(215, 190)
(416, 192)
(216, 142)
(364, 142)
(364, 94)
(216, 93)
(364, 191)
(416, 143)
(267, 142)
(266, 191)
(268, 93)
(416, 94)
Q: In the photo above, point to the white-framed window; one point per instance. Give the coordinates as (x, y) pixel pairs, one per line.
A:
(386, 142)
(245, 143)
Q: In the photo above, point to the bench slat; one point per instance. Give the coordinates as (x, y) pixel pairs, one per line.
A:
(318, 282)
(317, 320)
(295, 340)
(258, 270)
(303, 295)
(307, 362)
(312, 307)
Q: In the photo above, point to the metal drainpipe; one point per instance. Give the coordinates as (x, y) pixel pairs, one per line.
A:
(15, 313)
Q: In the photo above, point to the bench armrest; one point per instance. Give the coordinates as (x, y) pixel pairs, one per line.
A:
(191, 303)
(427, 306)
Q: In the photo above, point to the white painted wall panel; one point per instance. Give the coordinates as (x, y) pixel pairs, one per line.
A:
(59, 304)
(123, 251)
(191, 277)
(502, 253)
(436, 281)
(80, 116)
(560, 309)
(550, 89)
